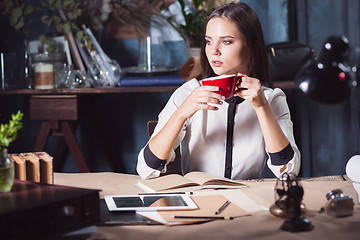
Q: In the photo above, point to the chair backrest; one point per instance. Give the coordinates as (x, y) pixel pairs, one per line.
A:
(287, 59)
(172, 167)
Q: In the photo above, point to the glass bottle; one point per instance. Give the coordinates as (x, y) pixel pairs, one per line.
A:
(27, 68)
(6, 172)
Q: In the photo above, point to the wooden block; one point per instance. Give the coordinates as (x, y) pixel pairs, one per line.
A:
(20, 166)
(46, 167)
(32, 167)
(54, 108)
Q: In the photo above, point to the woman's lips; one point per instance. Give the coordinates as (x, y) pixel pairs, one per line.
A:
(216, 63)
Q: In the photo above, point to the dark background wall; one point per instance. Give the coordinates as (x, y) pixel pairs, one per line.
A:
(114, 125)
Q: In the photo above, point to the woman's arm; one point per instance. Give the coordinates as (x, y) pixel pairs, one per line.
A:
(250, 89)
(162, 143)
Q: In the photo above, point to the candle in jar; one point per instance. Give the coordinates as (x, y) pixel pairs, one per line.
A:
(44, 76)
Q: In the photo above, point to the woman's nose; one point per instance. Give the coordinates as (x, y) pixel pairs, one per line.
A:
(215, 50)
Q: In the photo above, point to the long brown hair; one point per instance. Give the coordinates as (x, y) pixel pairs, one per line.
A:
(249, 25)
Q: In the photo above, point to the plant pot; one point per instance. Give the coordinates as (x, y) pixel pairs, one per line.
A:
(6, 172)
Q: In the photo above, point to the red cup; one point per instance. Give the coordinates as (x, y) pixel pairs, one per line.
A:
(226, 84)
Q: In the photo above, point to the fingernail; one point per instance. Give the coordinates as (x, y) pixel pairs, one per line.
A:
(223, 97)
(216, 88)
(220, 102)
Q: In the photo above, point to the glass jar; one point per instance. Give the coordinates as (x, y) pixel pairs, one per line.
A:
(48, 63)
(6, 172)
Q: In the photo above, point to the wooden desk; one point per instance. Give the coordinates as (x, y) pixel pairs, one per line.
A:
(259, 225)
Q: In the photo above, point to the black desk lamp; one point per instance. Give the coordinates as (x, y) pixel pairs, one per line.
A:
(330, 78)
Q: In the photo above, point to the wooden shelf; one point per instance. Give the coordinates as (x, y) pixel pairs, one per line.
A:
(114, 90)
(77, 91)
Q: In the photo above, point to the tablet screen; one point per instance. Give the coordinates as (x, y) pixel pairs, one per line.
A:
(149, 202)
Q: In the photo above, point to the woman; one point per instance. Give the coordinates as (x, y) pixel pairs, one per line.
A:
(232, 137)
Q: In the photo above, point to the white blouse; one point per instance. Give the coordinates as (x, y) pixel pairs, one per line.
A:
(203, 138)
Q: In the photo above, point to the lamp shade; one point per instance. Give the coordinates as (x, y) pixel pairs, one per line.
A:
(327, 79)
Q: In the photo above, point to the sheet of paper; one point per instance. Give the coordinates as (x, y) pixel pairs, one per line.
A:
(207, 206)
(236, 196)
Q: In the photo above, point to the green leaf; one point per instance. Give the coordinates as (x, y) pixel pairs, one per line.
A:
(8, 7)
(20, 24)
(67, 28)
(8, 132)
(51, 2)
(42, 38)
(17, 13)
(67, 3)
(59, 27)
(50, 22)
(15, 16)
(45, 19)
(79, 35)
(58, 4)
(28, 10)
(51, 48)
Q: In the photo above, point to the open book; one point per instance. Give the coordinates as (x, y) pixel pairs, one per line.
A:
(201, 179)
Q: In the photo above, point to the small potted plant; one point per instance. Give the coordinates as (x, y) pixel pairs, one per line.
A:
(8, 133)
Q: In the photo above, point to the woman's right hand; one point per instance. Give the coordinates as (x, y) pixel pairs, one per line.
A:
(162, 143)
(199, 99)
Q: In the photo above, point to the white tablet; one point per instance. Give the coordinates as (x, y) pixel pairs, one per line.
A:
(149, 202)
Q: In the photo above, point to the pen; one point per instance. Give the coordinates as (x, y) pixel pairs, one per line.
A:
(222, 207)
(165, 193)
(204, 217)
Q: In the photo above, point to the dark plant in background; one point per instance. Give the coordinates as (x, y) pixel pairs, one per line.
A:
(137, 12)
(22, 14)
(195, 17)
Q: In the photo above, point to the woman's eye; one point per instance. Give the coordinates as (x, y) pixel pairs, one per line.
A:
(226, 42)
(207, 42)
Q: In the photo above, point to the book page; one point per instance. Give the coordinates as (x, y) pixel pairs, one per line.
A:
(165, 182)
(207, 179)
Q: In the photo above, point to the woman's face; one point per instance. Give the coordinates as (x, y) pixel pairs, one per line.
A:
(225, 47)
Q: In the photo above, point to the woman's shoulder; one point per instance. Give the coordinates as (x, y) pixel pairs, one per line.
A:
(274, 94)
(271, 92)
(186, 88)
(189, 85)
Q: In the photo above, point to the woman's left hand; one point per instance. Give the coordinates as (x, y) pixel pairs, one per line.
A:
(250, 89)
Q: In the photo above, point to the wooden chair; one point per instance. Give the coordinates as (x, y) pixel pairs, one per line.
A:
(175, 166)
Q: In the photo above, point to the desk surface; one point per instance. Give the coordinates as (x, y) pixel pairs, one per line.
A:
(260, 225)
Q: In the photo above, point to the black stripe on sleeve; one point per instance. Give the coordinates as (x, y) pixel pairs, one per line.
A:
(153, 161)
(282, 157)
